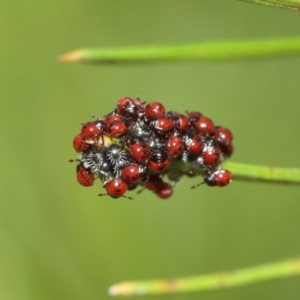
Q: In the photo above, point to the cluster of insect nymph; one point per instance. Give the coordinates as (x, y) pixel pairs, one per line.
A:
(139, 144)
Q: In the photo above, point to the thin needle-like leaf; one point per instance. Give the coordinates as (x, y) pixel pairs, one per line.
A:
(201, 283)
(208, 51)
(287, 4)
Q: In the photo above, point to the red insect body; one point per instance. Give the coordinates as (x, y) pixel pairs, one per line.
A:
(116, 187)
(90, 130)
(175, 145)
(115, 125)
(158, 160)
(223, 136)
(227, 150)
(84, 177)
(139, 150)
(79, 144)
(219, 178)
(194, 116)
(204, 125)
(132, 173)
(154, 110)
(164, 191)
(162, 124)
(180, 121)
(193, 144)
(211, 155)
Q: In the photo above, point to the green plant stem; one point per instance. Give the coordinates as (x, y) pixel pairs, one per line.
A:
(247, 172)
(208, 282)
(214, 51)
(287, 4)
(244, 172)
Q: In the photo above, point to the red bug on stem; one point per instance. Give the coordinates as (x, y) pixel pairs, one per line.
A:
(139, 150)
(90, 130)
(84, 177)
(116, 188)
(79, 144)
(154, 110)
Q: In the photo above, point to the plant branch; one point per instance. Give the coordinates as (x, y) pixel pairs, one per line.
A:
(287, 4)
(201, 283)
(243, 172)
(247, 172)
(214, 51)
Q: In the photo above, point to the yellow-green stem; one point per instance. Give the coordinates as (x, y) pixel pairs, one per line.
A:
(205, 51)
(263, 173)
(208, 282)
(287, 4)
(247, 172)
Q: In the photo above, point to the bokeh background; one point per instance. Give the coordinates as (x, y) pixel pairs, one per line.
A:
(60, 240)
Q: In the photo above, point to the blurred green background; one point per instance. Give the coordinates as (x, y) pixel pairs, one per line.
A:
(58, 239)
